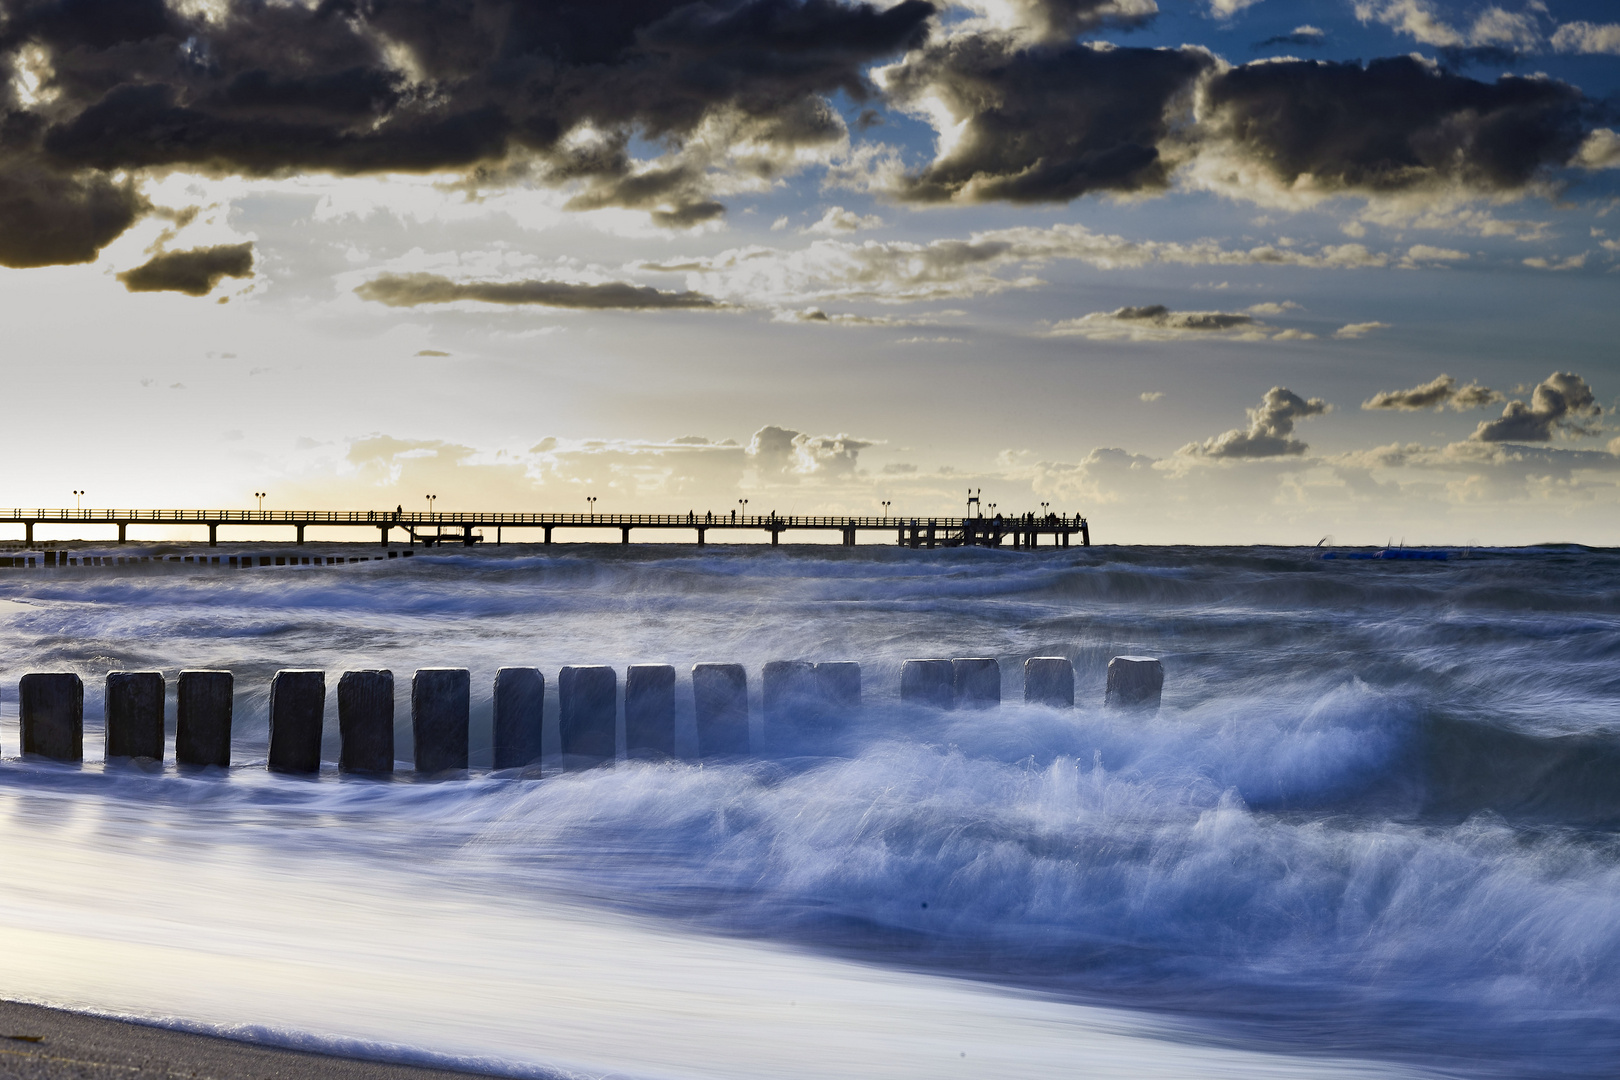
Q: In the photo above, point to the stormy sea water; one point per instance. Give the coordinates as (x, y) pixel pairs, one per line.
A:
(1373, 831)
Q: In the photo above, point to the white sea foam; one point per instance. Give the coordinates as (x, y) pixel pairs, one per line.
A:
(1374, 820)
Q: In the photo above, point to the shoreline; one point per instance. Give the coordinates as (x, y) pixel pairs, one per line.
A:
(39, 1042)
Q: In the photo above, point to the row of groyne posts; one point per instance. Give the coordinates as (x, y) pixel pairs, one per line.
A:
(796, 692)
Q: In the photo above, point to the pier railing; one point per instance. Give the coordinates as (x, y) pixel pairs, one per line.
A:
(915, 531)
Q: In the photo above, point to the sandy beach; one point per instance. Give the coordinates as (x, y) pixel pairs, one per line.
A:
(38, 1043)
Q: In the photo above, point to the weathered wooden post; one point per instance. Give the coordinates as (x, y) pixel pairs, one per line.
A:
(649, 710)
(928, 682)
(51, 714)
(1049, 680)
(297, 708)
(1134, 682)
(720, 701)
(520, 706)
(366, 722)
(134, 715)
(587, 697)
(791, 697)
(202, 733)
(976, 682)
(440, 712)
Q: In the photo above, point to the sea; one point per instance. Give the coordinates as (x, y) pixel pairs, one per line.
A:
(1372, 831)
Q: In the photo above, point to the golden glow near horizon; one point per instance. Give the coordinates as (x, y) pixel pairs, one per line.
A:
(1090, 273)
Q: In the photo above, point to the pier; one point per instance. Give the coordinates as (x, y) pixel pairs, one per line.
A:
(1023, 531)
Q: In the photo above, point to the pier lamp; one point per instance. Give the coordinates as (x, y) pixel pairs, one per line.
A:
(744, 503)
(77, 495)
(430, 499)
(1044, 507)
(260, 496)
(592, 500)
(886, 504)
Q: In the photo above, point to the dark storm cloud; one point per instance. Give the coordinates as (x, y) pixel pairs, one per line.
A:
(409, 290)
(1303, 37)
(194, 272)
(1396, 124)
(1048, 123)
(360, 86)
(1560, 402)
(1458, 57)
(1061, 20)
(49, 218)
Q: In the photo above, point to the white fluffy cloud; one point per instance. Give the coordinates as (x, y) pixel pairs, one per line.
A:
(1423, 21)
(1562, 403)
(1437, 394)
(903, 271)
(1270, 431)
(1588, 37)
(1155, 322)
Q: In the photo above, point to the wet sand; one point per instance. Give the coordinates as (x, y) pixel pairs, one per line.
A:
(53, 1044)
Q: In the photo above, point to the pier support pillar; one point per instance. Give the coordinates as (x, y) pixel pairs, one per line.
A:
(122, 525)
(297, 705)
(1049, 680)
(701, 540)
(776, 537)
(931, 536)
(384, 530)
(649, 711)
(900, 536)
(586, 706)
(624, 534)
(1134, 682)
(976, 682)
(548, 535)
(300, 529)
(440, 710)
(366, 722)
(520, 704)
(213, 534)
(720, 700)
(28, 533)
(134, 715)
(202, 734)
(928, 682)
(51, 711)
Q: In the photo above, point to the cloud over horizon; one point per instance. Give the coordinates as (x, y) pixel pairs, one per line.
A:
(411, 290)
(1270, 431)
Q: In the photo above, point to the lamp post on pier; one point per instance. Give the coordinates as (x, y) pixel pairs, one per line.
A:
(591, 499)
(260, 496)
(77, 496)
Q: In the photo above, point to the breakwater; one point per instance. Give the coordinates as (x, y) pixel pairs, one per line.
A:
(797, 695)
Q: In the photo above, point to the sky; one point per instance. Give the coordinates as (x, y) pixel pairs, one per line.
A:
(1205, 271)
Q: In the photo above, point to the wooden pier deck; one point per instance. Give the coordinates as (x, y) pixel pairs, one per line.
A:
(457, 527)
